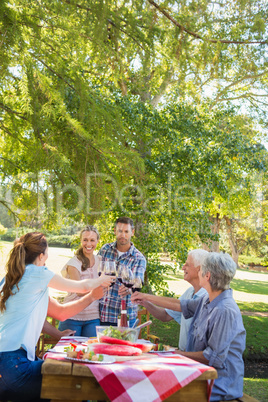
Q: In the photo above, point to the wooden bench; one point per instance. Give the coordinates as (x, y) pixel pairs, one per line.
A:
(245, 398)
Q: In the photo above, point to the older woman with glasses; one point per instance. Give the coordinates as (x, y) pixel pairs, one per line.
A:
(217, 335)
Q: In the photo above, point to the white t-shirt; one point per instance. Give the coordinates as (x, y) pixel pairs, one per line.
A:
(91, 312)
(120, 253)
(22, 321)
(178, 316)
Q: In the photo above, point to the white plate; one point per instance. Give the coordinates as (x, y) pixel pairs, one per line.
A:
(75, 338)
(60, 348)
(107, 359)
(143, 341)
(163, 351)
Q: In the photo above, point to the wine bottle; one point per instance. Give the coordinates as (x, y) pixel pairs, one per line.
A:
(123, 315)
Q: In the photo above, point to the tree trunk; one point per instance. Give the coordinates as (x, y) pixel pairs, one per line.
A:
(231, 239)
(213, 245)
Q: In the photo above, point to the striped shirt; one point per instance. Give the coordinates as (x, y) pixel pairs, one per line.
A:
(110, 306)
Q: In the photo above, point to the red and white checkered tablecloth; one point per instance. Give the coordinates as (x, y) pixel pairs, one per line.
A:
(146, 379)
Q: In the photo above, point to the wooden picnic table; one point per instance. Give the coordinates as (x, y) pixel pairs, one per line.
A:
(69, 382)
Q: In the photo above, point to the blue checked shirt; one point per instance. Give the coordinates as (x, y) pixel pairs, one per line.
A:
(110, 307)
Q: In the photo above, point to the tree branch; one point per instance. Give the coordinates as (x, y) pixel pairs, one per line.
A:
(246, 77)
(8, 109)
(13, 164)
(53, 71)
(197, 36)
(108, 20)
(24, 143)
(5, 204)
(165, 83)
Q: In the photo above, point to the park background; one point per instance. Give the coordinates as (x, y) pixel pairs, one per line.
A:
(155, 110)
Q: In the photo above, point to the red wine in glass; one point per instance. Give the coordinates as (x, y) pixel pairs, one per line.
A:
(112, 274)
(120, 280)
(128, 285)
(135, 289)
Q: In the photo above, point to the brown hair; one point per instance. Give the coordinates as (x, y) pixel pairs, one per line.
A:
(79, 253)
(125, 220)
(26, 249)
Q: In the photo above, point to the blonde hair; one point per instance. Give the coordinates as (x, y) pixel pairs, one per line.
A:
(26, 249)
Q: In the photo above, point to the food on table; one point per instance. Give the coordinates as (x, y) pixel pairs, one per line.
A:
(145, 347)
(115, 350)
(159, 347)
(82, 354)
(92, 340)
(93, 357)
(127, 334)
(72, 353)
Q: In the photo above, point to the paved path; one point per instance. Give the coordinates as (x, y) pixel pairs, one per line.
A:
(179, 286)
(255, 313)
(59, 256)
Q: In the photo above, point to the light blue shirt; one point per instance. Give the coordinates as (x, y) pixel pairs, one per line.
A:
(178, 316)
(217, 329)
(22, 321)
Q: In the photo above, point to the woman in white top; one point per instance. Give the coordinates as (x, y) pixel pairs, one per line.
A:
(84, 265)
(24, 304)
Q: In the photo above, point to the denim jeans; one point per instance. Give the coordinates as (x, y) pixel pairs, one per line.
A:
(20, 378)
(82, 328)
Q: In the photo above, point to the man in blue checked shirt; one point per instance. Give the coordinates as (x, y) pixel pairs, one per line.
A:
(122, 251)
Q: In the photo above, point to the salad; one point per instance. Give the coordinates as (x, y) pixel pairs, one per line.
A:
(126, 335)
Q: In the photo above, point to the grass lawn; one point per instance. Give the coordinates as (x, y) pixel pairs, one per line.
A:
(256, 342)
(248, 286)
(261, 307)
(257, 388)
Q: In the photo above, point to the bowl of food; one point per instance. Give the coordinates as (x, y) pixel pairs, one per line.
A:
(122, 334)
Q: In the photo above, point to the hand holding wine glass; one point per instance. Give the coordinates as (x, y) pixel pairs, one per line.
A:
(137, 284)
(109, 268)
(127, 278)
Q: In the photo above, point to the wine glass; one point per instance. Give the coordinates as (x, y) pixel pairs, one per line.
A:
(110, 269)
(100, 268)
(127, 277)
(137, 284)
(120, 268)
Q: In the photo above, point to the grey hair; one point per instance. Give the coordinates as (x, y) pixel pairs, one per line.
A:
(198, 256)
(222, 269)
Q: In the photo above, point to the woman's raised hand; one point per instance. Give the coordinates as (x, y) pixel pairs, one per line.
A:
(98, 292)
(105, 280)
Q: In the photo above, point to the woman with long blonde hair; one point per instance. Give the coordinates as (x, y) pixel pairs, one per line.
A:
(84, 265)
(24, 303)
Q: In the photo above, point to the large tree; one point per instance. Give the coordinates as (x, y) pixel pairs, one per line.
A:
(183, 49)
(89, 108)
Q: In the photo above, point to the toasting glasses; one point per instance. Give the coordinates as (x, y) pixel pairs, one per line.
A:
(108, 267)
